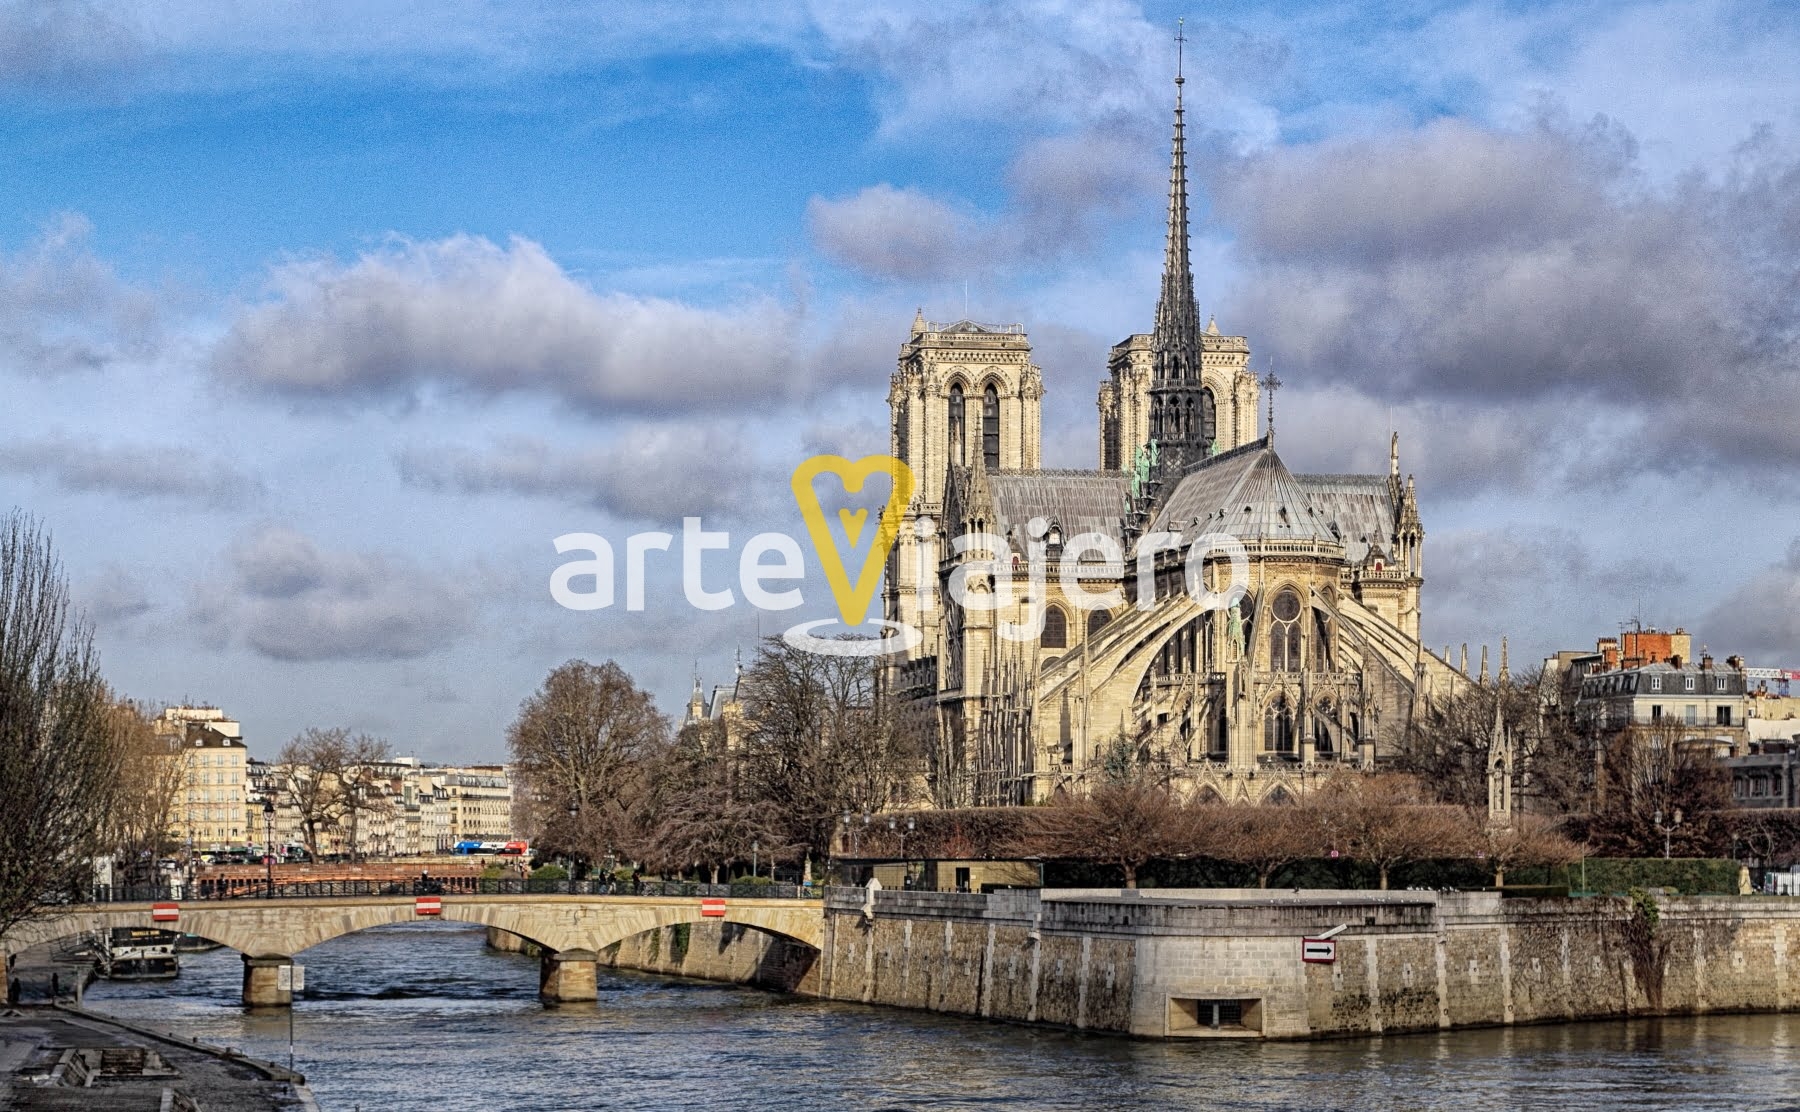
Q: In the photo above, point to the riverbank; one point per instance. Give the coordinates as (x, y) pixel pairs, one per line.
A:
(1266, 964)
(425, 1018)
(63, 1058)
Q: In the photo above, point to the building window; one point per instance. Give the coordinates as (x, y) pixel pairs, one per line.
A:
(1656, 683)
(1278, 733)
(1724, 716)
(1209, 419)
(1656, 712)
(1056, 630)
(956, 423)
(1690, 682)
(990, 428)
(1096, 621)
(1691, 715)
(1284, 632)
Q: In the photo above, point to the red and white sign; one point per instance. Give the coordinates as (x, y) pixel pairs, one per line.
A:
(1319, 951)
(713, 907)
(165, 912)
(428, 905)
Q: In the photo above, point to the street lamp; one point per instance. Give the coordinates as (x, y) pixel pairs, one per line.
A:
(269, 842)
(1666, 831)
(574, 809)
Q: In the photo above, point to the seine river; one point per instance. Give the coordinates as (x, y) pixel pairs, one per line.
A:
(425, 1017)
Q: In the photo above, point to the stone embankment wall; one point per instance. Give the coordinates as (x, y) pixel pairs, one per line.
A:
(1228, 964)
(705, 951)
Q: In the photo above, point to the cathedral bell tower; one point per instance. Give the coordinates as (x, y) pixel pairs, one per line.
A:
(964, 395)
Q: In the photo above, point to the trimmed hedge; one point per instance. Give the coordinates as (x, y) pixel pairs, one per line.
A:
(1604, 875)
(1615, 876)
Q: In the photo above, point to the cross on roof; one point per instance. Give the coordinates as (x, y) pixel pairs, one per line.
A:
(1271, 384)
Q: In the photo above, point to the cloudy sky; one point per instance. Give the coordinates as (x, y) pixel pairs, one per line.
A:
(319, 320)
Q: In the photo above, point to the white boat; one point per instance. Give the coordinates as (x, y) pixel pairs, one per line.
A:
(136, 954)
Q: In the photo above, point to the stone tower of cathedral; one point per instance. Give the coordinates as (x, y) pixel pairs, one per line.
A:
(966, 396)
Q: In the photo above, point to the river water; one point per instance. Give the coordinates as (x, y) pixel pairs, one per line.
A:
(426, 1017)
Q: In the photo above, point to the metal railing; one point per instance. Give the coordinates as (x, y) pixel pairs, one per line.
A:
(225, 891)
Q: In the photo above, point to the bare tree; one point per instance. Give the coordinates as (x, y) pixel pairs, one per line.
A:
(582, 743)
(1447, 749)
(1265, 838)
(152, 774)
(1385, 822)
(1651, 770)
(59, 766)
(1524, 841)
(819, 742)
(331, 780)
(1126, 824)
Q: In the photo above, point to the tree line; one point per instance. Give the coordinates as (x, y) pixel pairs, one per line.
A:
(1607, 788)
(602, 776)
(80, 774)
(1380, 822)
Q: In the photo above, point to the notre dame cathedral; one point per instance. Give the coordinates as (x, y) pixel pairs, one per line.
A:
(1317, 668)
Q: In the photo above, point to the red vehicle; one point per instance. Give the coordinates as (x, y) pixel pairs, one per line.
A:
(515, 849)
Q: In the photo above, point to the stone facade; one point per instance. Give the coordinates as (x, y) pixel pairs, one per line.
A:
(1150, 964)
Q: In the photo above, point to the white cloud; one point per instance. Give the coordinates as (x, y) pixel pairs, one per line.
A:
(895, 233)
(66, 42)
(655, 472)
(62, 309)
(289, 600)
(1760, 619)
(1532, 279)
(128, 471)
(471, 315)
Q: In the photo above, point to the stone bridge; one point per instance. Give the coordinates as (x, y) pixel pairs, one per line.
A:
(570, 929)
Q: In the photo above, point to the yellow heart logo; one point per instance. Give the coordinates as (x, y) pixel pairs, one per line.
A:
(853, 523)
(853, 600)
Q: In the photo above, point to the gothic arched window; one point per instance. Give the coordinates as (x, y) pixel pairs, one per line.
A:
(1096, 621)
(1209, 417)
(1056, 629)
(990, 428)
(1284, 632)
(1278, 728)
(956, 423)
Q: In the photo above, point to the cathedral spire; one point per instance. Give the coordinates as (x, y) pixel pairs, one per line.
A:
(1183, 415)
(1177, 319)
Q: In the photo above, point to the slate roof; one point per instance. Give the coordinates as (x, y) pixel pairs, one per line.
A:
(1358, 505)
(1247, 493)
(1077, 501)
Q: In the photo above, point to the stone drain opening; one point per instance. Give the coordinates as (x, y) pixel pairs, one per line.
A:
(1210, 1017)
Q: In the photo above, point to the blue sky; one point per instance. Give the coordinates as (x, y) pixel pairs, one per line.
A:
(318, 321)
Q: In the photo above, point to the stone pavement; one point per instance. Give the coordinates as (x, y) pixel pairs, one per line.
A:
(53, 1058)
